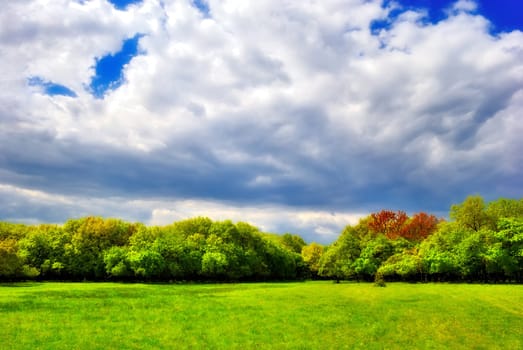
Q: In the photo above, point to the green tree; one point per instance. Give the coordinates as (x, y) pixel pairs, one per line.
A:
(198, 225)
(214, 264)
(220, 259)
(471, 213)
(471, 254)
(510, 247)
(35, 248)
(148, 264)
(373, 253)
(117, 264)
(503, 208)
(438, 251)
(311, 255)
(90, 237)
(280, 262)
(406, 265)
(293, 242)
(338, 261)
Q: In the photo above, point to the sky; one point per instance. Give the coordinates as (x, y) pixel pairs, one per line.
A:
(295, 116)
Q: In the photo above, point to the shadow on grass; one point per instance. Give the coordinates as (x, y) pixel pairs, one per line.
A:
(19, 284)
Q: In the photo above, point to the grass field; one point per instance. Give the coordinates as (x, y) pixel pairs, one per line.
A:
(309, 315)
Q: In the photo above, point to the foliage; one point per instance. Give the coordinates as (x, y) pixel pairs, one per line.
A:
(503, 208)
(95, 248)
(406, 265)
(372, 255)
(420, 226)
(483, 242)
(12, 264)
(337, 261)
(470, 214)
(311, 255)
(388, 223)
(293, 242)
(507, 252)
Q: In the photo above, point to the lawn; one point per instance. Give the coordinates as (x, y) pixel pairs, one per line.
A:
(307, 315)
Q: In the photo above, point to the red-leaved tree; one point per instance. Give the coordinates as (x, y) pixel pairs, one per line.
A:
(388, 222)
(420, 226)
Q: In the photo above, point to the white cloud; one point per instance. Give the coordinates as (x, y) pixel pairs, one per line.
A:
(316, 225)
(465, 5)
(278, 102)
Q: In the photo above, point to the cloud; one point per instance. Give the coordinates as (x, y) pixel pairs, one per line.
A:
(39, 206)
(465, 5)
(308, 106)
(313, 225)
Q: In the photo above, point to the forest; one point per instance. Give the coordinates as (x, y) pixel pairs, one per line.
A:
(481, 242)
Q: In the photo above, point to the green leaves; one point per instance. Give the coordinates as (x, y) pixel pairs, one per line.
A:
(471, 213)
(483, 242)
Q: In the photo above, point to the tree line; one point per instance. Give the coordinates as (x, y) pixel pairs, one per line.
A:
(481, 242)
(94, 248)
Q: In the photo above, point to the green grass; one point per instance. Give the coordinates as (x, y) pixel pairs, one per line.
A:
(310, 315)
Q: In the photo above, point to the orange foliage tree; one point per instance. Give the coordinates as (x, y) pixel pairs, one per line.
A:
(396, 224)
(388, 222)
(420, 226)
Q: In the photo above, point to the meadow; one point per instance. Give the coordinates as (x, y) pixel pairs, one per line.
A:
(298, 315)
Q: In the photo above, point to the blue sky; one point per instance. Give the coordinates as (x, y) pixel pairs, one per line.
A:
(295, 116)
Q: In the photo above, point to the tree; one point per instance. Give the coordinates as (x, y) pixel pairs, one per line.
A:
(97, 248)
(470, 255)
(226, 230)
(13, 231)
(252, 261)
(194, 248)
(503, 208)
(438, 251)
(406, 265)
(280, 262)
(373, 253)
(338, 261)
(221, 258)
(35, 248)
(510, 247)
(117, 264)
(311, 255)
(293, 242)
(388, 223)
(10, 264)
(177, 255)
(214, 264)
(419, 226)
(200, 225)
(90, 237)
(471, 213)
(148, 263)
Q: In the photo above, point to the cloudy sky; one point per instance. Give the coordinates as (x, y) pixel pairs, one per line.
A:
(296, 116)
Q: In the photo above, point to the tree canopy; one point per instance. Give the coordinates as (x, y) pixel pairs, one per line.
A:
(481, 242)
